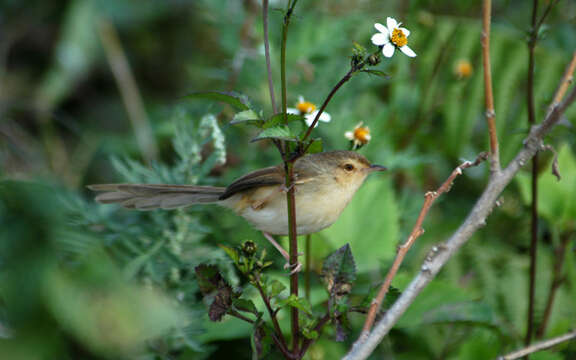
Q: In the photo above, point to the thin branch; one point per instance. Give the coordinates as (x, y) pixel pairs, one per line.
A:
(567, 80)
(430, 197)
(539, 346)
(308, 263)
(267, 53)
(240, 316)
(488, 93)
(272, 314)
(557, 280)
(440, 254)
(128, 89)
(318, 328)
(534, 179)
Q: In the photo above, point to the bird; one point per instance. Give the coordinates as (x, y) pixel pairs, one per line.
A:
(324, 183)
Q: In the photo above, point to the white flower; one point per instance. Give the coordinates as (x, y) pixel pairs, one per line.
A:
(308, 110)
(359, 137)
(392, 36)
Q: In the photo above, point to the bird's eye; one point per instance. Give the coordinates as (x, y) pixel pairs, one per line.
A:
(348, 167)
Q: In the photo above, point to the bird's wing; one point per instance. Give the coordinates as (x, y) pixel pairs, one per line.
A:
(269, 176)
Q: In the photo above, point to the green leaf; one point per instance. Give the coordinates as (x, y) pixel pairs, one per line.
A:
(275, 288)
(316, 146)
(296, 302)
(376, 72)
(238, 101)
(246, 306)
(231, 252)
(249, 117)
(281, 132)
(278, 119)
(339, 271)
(210, 280)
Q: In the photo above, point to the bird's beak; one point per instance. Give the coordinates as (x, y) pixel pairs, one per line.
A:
(373, 168)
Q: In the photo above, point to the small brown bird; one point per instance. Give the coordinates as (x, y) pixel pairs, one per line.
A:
(324, 184)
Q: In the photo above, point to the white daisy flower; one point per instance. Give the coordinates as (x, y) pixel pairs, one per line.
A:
(308, 110)
(360, 136)
(392, 36)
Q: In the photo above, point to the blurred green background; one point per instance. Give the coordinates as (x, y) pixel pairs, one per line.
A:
(91, 91)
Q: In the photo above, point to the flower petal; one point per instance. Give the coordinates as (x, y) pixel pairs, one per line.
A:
(349, 135)
(325, 117)
(381, 28)
(309, 118)
(293, 111)
(391, 23)
(380, 39)
(301, 99)
(405, 31)
(388, 50)
(407, 51)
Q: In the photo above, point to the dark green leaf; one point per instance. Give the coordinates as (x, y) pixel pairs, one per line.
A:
(249, 117)
(376, 72)
(222, 303)
(339, 271)
(231, 98)
(210, 281)
(246, 306)
(278, 119)
(316, 146)
(281, 132)
(209, 278)
(391, 297)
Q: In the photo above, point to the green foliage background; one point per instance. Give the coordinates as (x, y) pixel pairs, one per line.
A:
(81, 280)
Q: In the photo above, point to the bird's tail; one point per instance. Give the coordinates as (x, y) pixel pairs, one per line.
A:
(150, 197)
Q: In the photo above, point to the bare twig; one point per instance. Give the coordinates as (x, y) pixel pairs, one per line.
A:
(539, 346)
(128, 89)
(567, 79)
(557, 280)
(488, 93)
(475, 219)
(430, 197)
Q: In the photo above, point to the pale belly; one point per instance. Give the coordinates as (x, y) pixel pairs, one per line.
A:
(314, 212)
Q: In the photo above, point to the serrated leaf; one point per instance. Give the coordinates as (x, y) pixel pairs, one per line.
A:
(275, 288)
(231, 98)
(376, 72)
(296, 302)
(249, 117)
(281, 132)
(339, 271)
(278, 119)
(231, 252)
(316, 146)
(246, 306)
(210, 280)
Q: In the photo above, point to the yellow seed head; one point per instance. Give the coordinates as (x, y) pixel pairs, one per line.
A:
(306, 107)
(398, 38)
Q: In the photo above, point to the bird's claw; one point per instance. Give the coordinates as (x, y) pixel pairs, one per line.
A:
(295, 268)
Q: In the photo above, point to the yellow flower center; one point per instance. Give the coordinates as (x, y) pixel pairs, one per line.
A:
(362, 135)
(463, 69)
(398, 38)
(305, 107)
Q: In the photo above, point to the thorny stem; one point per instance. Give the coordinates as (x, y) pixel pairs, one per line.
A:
(290, 198)
(430, 197)
(557, 280)
(534, 180)
(488, 93)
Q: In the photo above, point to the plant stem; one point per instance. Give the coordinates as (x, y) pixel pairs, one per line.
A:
(488, 93)
(557, 280)
(534, 181)
(290, 195)
(539, 346)
(307, 265)
(267, 54)
(272, 313)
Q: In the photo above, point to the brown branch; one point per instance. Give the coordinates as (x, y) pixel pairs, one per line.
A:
(539, 346)
(267, 53)
(440, 254)
(488, 93)
(430, 197)
(557, 280)
(567, 79)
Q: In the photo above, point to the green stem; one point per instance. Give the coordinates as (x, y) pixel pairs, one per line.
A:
(307, 264)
